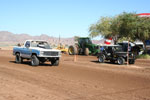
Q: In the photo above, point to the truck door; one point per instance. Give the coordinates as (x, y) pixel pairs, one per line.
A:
(26, 53)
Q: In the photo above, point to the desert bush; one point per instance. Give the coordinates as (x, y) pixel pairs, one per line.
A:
(144, 56)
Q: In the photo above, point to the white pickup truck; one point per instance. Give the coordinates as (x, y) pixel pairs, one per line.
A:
(37, 51)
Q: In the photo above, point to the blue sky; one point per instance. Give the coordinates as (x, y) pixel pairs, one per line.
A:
(65, 17)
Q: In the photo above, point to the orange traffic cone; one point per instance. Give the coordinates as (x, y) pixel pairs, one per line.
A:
(75, 58)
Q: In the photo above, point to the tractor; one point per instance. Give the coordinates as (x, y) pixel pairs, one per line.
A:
(62, 48)
(84, 46)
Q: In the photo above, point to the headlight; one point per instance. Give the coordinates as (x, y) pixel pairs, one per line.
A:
(60, 53)
(41, 52)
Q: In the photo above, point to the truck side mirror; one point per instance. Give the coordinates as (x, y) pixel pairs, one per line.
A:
(19, 45)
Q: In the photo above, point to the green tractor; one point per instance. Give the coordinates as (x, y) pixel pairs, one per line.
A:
(84, 46)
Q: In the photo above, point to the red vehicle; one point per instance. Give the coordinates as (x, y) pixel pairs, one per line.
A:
(144, 15)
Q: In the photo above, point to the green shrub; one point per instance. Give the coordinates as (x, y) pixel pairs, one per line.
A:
(144, 56)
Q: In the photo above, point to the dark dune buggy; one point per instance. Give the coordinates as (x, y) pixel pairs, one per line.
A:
(114, 53)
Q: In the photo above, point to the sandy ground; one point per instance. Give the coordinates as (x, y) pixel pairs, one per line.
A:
(85, 79)
(6, 48)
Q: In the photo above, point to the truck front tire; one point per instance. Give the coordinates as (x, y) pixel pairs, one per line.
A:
(34, 60)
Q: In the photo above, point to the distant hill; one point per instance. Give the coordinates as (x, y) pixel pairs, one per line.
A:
(8, 37)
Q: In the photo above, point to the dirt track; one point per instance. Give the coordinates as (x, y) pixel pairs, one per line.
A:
(84, 79)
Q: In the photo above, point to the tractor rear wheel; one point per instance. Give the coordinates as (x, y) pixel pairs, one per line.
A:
(86, 52)
(72, 50)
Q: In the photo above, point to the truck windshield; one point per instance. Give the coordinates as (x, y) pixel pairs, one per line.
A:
(40, 44)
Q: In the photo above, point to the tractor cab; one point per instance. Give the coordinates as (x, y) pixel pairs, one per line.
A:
(83, 42)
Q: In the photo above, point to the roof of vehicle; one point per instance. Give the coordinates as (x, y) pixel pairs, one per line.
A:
(109, 45)
(37, 40)
(84, 37)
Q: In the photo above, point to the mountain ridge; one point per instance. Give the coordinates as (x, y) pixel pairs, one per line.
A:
(9, 37)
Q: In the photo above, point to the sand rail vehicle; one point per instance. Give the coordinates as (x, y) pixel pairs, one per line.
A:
(37, 51)
(115, 53)
(84, 46)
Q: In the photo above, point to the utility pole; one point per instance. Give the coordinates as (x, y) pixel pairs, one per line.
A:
(128, 52)
(59, 39)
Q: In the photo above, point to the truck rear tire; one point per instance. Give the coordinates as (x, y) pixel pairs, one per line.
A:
(55, 62)
(72, 50)
(34, 60)
(18, 59)
(120, 61)
(86, 52)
